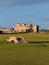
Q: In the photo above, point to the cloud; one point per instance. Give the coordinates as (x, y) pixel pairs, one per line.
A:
(5, 3)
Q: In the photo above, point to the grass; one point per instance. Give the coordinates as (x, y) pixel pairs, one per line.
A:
(34, 53)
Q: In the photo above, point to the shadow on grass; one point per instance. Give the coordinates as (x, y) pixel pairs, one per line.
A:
(37, 42)
(40, 42)
(31, 44)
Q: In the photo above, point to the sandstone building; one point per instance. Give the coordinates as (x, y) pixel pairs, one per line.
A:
(20, 28)
(26, 28)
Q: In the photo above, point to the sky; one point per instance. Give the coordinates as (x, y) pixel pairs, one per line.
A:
(34, 12)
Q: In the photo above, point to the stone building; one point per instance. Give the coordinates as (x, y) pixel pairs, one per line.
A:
(26, 28)
(35, 28)
(20, 28)
(6, 30)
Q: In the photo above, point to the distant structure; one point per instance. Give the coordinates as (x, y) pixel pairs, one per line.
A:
(48, 28)
(20, 28)
(26, 28)
(6, 30)
(35, 28)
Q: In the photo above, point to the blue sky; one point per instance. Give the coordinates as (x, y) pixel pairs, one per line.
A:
(35, 12)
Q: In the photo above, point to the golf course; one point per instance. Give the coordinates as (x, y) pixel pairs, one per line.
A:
(35, 52)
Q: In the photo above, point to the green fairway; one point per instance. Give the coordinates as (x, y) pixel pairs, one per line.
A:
(36, 52)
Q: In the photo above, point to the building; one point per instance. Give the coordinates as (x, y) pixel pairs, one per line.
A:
(20, 28)
(35, 28)
(26, 28)
(6, 30)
